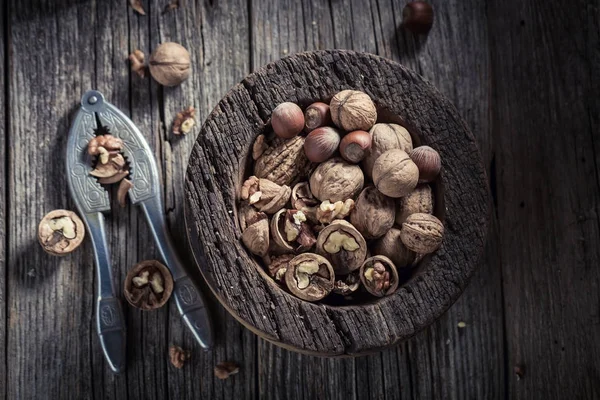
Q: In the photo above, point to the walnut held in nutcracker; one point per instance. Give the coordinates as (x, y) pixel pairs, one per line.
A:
(310, 277)
(98, 144)
(170, 64)
(148, 285)
(395, 174)
(353, 110)
(419, 200)
(348, 285)
(422, 233)
(428, 161)
(385, 137)
(322, 143)
(343, 245)
(336, 180)
(391, 246)
(287, 120)
(265, 195)
(291, 232)
(316, 115)
(282, 162)
(373, 213)
(60, 232)
(379, 276)
(184, 121)
(355, 145)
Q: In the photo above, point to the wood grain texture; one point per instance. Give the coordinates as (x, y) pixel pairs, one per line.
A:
(546, 64)
(232, 274)
(3, 196)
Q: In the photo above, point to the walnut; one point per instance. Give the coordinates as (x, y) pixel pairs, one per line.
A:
(225, 369)
(336, 180)
(419, 200)
(348, 285)
(265, 195)
(327, 211)
(104, 146)
(170, 64)
(148, 285)
(391, 246)
(422, 233)
(379, 276)
(259, 147)
(178, 356)
(291, 232)
(278, 267)
(283, 162)
(373, 213)
(255, 235)
(385, 137)
(342, 245)
(60, 232)
(352, 110)
(137, 63)
(310, 277)
(184, 121)
(395, 174)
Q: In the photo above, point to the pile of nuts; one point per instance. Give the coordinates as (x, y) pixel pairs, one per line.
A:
(338, 203)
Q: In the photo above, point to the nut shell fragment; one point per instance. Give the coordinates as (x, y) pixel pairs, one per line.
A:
(310, 277)
(148, 285)
(256, 235)
(343, 245)
(379, 276)
(124, 187)
(60, 232)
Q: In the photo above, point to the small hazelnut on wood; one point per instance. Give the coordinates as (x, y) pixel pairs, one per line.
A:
(417, 17)
(255, 235)
(385, 137)
(391, 246)
(419, 200)
(265, 195)
(60, 232)
(336, 180)
(348, 284)
(379, 276)
(148, 285)
(316, 115)
(310, 277)
(428, 161)
(287, 120)
(354, 146)
(373, 213)
(395, 174)
(170, 64)
(422, 233)
(283, 162)
(352, 110)
(343, 245)
(322, 143)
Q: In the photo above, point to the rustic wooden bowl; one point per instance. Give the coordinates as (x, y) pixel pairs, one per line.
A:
(221, 158)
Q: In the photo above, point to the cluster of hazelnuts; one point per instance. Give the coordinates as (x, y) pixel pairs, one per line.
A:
(337, 202)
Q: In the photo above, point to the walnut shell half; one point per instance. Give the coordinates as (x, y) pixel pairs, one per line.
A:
(379, 276)
(343, 245)
(310, 277)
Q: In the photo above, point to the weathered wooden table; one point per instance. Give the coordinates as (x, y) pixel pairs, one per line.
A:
(525, 75)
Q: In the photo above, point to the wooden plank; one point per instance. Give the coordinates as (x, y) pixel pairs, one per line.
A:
(216, 34)
(3, 189)
(50, 301)
(545, 121)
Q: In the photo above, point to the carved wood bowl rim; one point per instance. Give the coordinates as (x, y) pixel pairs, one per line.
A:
(217, 167)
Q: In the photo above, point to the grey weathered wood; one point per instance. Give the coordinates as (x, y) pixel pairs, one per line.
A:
(3, 197)
(545, 123)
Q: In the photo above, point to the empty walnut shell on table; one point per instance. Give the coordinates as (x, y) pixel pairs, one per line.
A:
(222, 158)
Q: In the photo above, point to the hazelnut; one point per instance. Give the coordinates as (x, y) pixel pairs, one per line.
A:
(310, 277)
(417, 17)
(354, 146)
(391, 246)
(373, 213)
(379, 276)
(255, 235)
(265, 195)
(385, 137)
(422, 233)
(348, 284)
(148, 285)
(170, 64)
(336, 180)
(352, 110)
(343, 245)
(428, 161)
(283, 162)
(419, 200)
(316, 115)
(321, 144)
(395, 174)
(287, 120)
(60, 232)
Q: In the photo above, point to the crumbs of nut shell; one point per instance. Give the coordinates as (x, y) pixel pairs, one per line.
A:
(184, 121)
(224, 370)
(178, 356)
